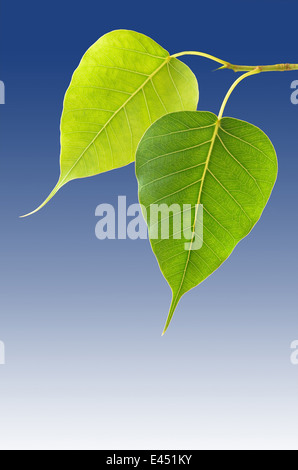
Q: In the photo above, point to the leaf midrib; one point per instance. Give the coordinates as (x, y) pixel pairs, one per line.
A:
(167, 59)
(212, 142)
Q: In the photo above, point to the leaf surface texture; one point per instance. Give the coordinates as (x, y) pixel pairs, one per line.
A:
(228, 166)
(125, 81)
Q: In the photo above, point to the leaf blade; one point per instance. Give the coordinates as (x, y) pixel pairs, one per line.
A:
(197, 153)
(123, 83)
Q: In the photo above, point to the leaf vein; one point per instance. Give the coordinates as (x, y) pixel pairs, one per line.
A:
(231, 196)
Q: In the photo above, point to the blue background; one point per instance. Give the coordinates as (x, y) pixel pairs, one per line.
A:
(81, 319)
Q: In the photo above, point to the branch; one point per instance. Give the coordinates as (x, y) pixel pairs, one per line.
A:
(262, 68)
(241, 68)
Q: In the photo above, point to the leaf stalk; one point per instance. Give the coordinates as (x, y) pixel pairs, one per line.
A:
(232, 88)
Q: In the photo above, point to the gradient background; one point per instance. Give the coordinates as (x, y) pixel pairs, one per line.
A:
(81, 319)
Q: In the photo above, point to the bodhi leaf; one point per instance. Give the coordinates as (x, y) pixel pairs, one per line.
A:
(227, 166)
(124, 82)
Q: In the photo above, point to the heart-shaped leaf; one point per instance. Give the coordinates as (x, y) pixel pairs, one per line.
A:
(227, 166)
(124, 82)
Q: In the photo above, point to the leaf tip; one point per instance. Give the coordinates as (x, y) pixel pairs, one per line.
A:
(173, 306)
(52, 194)
(30, 213)
(33, 212)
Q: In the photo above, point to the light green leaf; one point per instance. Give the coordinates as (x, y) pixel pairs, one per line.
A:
(124, 82)
(228, 166)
